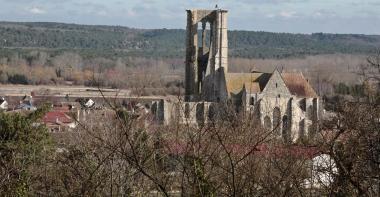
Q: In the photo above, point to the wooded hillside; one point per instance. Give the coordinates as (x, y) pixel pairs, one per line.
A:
(116, 41)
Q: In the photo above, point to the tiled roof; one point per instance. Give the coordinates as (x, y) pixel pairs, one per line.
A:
(298, 85)
(54, 117)
(236, 81)
(62, 108)
(256, 82)
(252, 87)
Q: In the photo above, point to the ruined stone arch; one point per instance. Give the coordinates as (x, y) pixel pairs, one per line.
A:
(267, 123)
(200, 116)
(204, 44)
(311, 131)
(277, 120)
(212, 112)
(315, 110)
(176, 113)
(154, 107)
(301, 126)
(187, 110)
(258, 109)
(309, 112)
(286, 135)
(204, 32)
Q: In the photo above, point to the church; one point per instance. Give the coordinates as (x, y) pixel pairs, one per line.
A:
(283, 102)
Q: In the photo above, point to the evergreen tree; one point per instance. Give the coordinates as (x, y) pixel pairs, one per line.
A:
(24, 144)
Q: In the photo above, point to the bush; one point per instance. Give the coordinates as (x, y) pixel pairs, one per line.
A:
(353, 90)
(18, 79)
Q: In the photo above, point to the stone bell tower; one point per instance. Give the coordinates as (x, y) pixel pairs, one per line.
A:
(206, 53)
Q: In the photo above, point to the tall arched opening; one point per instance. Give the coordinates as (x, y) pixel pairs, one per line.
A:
(277, 120)
(267, 123)
(285, 129)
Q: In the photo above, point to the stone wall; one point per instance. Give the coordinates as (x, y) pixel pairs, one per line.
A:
(297, 117)
(276, 86)
(202, 62)
(192, 113)
(300, 123)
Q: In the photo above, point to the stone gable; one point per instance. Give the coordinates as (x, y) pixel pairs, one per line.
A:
(276, 86)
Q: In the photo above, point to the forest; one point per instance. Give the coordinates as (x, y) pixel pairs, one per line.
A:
(153, 60)
(117, 41)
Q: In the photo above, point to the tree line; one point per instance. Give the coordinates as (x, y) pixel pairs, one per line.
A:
(106, 40)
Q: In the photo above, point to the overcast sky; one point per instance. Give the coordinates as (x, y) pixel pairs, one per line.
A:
(300, 16)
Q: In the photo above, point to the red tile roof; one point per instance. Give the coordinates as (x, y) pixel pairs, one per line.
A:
(54, 117)
(298, 85)
(62, 108)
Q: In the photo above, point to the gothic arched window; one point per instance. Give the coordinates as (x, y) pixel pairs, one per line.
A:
(277, 120)
(267, 123)
(252, 101)
(285, 129)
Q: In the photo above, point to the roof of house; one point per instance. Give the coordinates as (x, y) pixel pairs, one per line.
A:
(2, 100)
(63, 108)
(256, 82)
(236, 81)
(252, 87)
(53, 117)
(298, 85)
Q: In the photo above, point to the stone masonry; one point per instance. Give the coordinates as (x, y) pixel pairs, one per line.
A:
(283, 102)
(204, 61)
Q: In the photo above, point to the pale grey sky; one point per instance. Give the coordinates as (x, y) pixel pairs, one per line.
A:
(295, 16)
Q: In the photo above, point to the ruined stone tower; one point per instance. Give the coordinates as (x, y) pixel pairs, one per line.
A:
(282, 102)
(206, 54)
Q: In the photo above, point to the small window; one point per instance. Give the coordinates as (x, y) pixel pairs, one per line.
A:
(279, 96)
(276, 85)
(252, 101)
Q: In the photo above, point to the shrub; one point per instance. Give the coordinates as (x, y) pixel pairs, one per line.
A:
(18, 79)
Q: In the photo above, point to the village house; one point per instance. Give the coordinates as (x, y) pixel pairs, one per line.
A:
(58, 121)
(3, 104)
